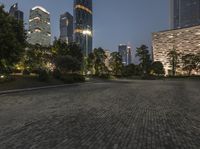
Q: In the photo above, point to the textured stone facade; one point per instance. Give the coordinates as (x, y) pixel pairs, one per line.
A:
(185, 41)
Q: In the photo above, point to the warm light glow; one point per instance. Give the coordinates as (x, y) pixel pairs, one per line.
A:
(85, 32)
(83, 8)
(2, 76)
(41, 8)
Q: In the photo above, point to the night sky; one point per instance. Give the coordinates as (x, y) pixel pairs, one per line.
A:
(115, 21)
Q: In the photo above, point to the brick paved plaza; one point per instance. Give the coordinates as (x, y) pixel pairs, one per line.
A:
(104, 115)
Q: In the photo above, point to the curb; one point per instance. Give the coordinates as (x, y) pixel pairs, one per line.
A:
(38, 88)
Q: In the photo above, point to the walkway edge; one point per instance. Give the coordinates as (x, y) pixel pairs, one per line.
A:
(38, 88)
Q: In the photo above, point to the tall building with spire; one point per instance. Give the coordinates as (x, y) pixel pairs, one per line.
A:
(83, 25)
(39, 26)
(16, 13)
(184, 13)
(66, 27)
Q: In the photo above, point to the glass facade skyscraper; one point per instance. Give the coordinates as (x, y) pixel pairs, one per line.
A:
(83, 25)
(39, 27)
(16, 13)
(125, 52)
(185, 13)
(66, 27)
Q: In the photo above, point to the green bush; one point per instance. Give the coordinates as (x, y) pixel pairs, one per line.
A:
(72, 78)
(104, 76)
(6, 78)
(43, 75)
(57, 74)
(26, 72)
(78, 78)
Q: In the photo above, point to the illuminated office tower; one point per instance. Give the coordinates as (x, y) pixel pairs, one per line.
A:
(184, 13)
(83, 25)
(16, 13)
(39, 27)
(66, 27)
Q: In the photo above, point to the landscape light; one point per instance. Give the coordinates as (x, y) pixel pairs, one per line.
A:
(2, 76)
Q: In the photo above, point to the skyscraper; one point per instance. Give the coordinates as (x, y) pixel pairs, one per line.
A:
(125, 52)
(39, 26)
(185, 13)
(16, 13)
(83, 25)
(66, 27)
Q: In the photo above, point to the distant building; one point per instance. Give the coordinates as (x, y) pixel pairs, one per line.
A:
(83, 25)
(66, 27)
(39, 26)
(185, 13)
(125, 52)
(185, 41)
(16, 13)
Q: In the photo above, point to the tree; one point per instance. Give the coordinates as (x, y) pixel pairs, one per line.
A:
(37, 57)
(157, 68)
(67, 64)
(70, 54)
(145, 59)
(61, 48)
(116, 63)
(197, 62)
(90, 63)
(99, 62)
(173, 56)
(189, 63)
(12, 41)
(129, 70)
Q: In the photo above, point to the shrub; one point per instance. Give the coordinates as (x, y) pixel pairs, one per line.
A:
(104, 76)
(57, 74)
(26, 72)
(43, 75)
(78, 78)
(73, 78)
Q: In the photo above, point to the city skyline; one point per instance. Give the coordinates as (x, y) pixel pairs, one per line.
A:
(136, 31)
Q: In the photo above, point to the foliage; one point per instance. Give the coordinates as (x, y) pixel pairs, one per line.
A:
(61, 48)
(157, 68)
(68, 58)
(57, 74)
(43, 75)
(26, 72)
(72, 78)
(36, 57)
(173, 56)
(116, 63)
(67, 64)
(90, 63)
(99, 62)
(189, 63)
(145, 59)
(197, 62)
(12, 41)
(129, 70)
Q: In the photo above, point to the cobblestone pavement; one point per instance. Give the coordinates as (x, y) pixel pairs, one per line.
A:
(107, 115)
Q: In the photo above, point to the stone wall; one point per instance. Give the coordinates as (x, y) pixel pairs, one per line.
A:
(185, 41)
